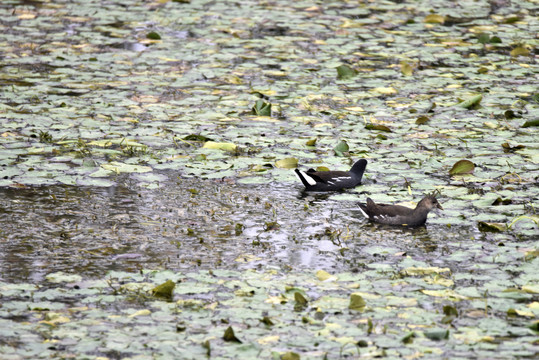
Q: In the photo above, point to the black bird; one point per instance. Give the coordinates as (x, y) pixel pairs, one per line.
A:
(332, 180)
(400, 215)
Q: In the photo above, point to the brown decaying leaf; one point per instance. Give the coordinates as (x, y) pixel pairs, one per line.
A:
(377, 127)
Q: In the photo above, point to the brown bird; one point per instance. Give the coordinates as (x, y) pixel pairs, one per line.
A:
(400, 215)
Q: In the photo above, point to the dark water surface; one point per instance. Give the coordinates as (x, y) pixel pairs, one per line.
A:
(193, 224)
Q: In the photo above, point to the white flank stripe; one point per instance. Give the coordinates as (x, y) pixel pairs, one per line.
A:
(341, 178)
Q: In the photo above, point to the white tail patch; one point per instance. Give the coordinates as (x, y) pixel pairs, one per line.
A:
(363, 212)
(307, 178)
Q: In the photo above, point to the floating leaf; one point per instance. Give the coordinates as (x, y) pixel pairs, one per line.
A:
(220, 146)
(287, 163)
(153, 36)
(491, 227)
(311, 142)
(355, 108)
(385, 90)
(462, 167)
(357, 302)
(508, 148)
(341, 148)
(377, 127)
(195, 137)
(482, 70)
(300, 299)
(483, 38)
(531, 288)
(434, 19)
(325, 276)
(437, 334)
(143, 312)
(119, 167)
(424, 270)
(60, 277)
(164, 290)
(519, 51)
(230, 336)
(500, 201)
(450, 313)
(529, 123)
(54, 318)
(408, 338)
(290, 356)
(261, 108)
(407, 69)
(345, 72)
(422, 120)
(473, 101)
(322, 168)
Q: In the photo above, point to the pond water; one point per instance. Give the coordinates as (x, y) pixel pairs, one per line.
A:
(189, 224)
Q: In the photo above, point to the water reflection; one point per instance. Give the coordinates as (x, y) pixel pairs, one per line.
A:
(191, 224)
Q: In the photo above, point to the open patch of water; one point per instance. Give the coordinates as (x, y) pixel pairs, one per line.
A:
(190, 224)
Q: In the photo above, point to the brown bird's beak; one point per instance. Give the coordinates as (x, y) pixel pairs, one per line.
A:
(439, 206)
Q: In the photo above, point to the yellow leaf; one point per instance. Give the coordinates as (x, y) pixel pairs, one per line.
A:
(26, 16)
(323, 124)
(407, 69)
(287, 163)
(357, 302)
(434, 19)
(534, 305)
(385, 90)
(233, 79)
(325, 276)
(165, 289)
(220, 146)
(532, 289)
(439, 280)
(472, 337)
(519, 51)
(268, 339)
(267, 92)
(144, 312)
(344, 340)
(524, 313)
(300, 299)
(354, 108)
(444, 293)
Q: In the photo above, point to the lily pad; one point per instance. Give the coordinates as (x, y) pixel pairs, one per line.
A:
(471, 102)
(345, 72)
(287, 163)
(462, 167)
(220, 146)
